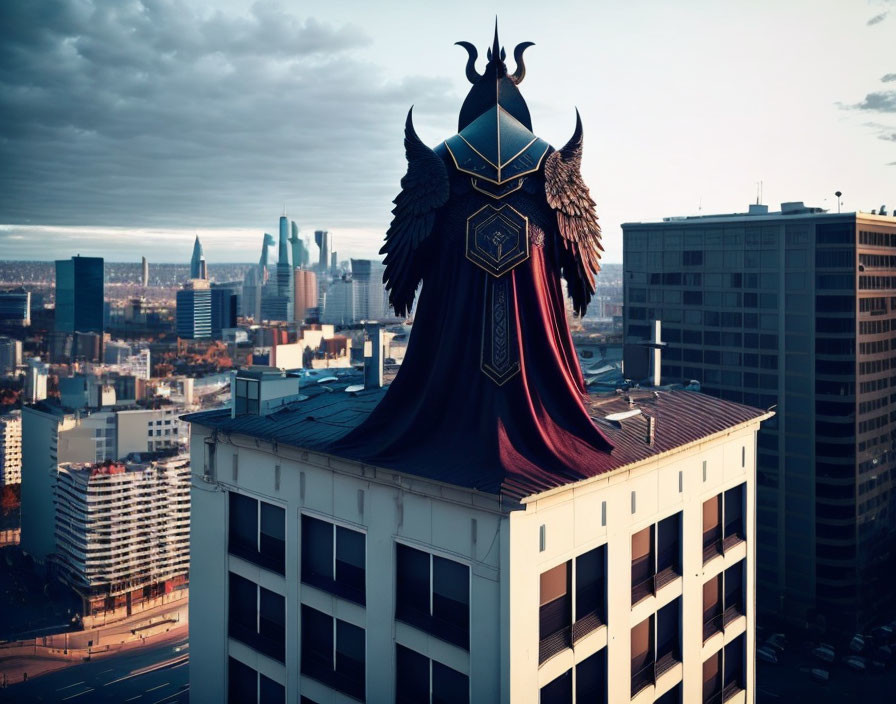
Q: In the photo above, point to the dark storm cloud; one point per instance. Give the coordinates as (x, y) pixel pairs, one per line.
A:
(877, 18)
(146, 113)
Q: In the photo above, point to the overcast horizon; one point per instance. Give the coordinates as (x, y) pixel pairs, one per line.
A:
(128, 127)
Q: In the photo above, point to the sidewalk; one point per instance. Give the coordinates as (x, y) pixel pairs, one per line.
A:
(35, 665)
(52, 652)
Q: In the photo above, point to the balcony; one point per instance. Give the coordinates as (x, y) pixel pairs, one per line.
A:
(654, 669)
(668, 570)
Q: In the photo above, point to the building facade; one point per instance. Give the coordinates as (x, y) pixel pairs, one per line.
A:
(194, 310)
(328, 580)
(122, 531)
(11, 448)
(793, 309)
(15, 308)
(79, 294)
(10, 355)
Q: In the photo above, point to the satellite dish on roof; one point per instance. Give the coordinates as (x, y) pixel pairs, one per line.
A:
(353, 388)
(623, 415)
(325, 379)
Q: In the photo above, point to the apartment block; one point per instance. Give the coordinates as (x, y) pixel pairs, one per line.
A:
(794, 310)
(122, 531)
(11, 448)
(329, 580)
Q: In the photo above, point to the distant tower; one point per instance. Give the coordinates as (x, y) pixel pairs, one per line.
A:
(278, 301)
(79, 294)
(299, 252)
(197, 262)
(263, 262)
(144, 273)
(334, 262)
(322, 239)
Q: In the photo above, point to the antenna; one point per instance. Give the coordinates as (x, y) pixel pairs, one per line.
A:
(838, 194)
(758, 198)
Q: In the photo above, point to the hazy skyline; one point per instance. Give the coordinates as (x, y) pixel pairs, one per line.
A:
(129, 126)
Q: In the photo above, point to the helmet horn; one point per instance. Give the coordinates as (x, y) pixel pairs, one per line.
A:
(520, 72)
(472, 75)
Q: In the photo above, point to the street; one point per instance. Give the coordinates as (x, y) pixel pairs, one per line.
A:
(156, 675)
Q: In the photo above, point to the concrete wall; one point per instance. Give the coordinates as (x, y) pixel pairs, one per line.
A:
(389, 508)
(572, 520)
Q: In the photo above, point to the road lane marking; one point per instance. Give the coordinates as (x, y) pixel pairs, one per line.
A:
(72, 696)
(164, 684)
(69, 685)
(133, 698)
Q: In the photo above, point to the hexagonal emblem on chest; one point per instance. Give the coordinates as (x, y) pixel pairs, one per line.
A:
(497, 239)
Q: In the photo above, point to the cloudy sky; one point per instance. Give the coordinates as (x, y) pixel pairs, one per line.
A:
(128, 125)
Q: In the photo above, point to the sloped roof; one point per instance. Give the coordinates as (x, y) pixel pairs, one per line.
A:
(680, 417)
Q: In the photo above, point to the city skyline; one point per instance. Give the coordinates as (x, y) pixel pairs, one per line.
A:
(148, 139)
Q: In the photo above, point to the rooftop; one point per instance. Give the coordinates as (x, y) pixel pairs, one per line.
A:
(760, 213)
(334, 405)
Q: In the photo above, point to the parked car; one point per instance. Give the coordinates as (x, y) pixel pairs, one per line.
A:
(856, 663)
(820, 675)
(767, 654)
(823, 653)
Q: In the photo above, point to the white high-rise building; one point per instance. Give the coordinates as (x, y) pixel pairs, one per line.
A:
(329, 580)
(10, 355)
(122, 530)
(11, 448)
(35, 381)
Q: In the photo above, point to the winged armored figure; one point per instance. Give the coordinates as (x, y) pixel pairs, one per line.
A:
(489, 221)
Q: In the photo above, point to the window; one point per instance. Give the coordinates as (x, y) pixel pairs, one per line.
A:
(257, 532)
(333, 652)
(656, 645)
(723, 522)
(723, 599)
(656, 557)
(333, 559)
(419, 679)
(433, 594)
(257, 617)
(246, 686)
(560, 599)
(588, 680)
(723, 672)
(246, 398)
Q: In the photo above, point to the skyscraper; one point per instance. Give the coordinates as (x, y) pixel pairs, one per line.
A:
(794, 309)
(370, 293)
(322, 239)
(299, 251)
(306, 292)
(144, 273)
(278, 297)
(198, 268)
(225, 302)
(194, 310)
(15, 308)
(79, 294)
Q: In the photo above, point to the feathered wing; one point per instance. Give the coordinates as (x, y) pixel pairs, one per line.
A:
(424, 189)
(568, 195)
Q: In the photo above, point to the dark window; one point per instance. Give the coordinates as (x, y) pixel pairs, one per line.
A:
(441, 607)
(673, 696)
(333, 652)
(723, 522)
(555, 611)
(723, 599)
(342, 576)
(656, 557)
(257, 617)
(246, 398)
(419, 679)
(242, 683)
(257, 532)
(558, 691)
(655, 645)
(723, 672)
(591, 591)
(591, 679)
